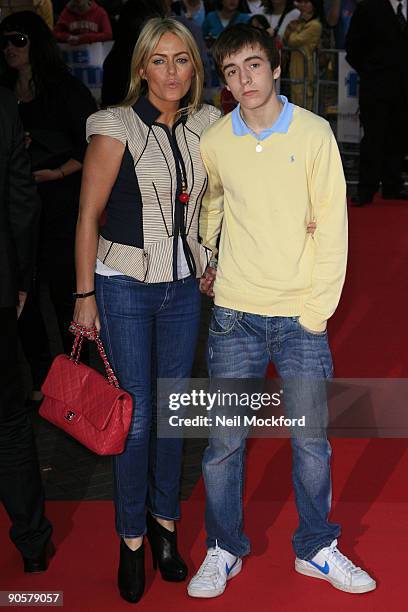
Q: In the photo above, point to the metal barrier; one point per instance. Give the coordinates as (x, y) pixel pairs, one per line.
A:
(285, 81)
(329, 86)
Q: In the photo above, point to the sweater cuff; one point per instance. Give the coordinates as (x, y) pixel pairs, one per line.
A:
(310, 321)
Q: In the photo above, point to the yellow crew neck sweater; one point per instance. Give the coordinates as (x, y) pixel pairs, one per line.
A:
(261, 203)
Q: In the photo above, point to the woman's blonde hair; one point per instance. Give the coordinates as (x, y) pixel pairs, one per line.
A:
(147, 42)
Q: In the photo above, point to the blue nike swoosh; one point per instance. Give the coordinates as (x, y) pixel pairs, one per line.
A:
(229, 569)
(322, 568)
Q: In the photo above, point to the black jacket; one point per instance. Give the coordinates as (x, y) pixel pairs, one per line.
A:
(19, 205)
(378, 49)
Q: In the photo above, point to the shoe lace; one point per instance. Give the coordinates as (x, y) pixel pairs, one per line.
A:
(210, 564)
(341, 560)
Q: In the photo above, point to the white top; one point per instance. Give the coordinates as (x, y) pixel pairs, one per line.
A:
(274, 20)
(224, 22)
(395, 3)
(255, 6)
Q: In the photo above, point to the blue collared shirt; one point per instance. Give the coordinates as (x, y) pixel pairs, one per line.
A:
(281, 125)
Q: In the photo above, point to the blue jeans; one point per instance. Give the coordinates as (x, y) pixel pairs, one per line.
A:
(149, 331)
(241, 345)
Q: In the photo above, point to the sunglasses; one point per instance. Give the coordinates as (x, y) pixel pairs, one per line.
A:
(17, 40)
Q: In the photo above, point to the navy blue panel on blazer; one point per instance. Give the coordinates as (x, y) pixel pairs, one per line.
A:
(125, 207)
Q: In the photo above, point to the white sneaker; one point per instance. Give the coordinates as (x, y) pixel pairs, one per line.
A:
(330, 564)
(211, 579)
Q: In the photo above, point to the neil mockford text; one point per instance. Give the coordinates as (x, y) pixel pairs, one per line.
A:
(236, 421)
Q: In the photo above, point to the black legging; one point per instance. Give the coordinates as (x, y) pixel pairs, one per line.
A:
(21, 490)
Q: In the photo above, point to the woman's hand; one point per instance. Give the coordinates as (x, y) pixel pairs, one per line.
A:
(86, 312)
(43, 176)
(22, 296)
(27, 139)
(291, 27)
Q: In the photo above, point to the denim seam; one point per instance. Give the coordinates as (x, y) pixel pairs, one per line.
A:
(163, 304)
(167, 518)
(109, 350)
(269, 344)
(222, 333)
(241, 486)
(126, 535)
(319, 547)
(221, 544)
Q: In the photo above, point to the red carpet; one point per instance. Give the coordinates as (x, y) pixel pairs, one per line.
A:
(369, 338)
(368, 333)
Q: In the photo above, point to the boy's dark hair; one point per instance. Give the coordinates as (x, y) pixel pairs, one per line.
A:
(241, 35)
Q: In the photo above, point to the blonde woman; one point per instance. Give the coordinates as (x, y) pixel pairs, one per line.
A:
(143, 168)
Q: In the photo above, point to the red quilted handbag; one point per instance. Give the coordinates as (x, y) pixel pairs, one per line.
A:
(85, 404)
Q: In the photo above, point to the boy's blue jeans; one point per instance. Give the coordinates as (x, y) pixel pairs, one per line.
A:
(240, 346)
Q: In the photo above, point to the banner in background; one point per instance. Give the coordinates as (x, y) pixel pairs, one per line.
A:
(348, 122)
(86, 63)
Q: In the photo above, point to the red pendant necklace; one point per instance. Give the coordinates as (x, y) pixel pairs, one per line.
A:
(183, 196)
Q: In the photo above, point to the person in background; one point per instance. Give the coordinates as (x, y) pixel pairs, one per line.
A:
(197, 35)
(21, 489)
(137, 276)
(44, 9)
(53, 106)
(260, 21)
(377, 48)
(113, 9)
(226, 14)
(254, 6)
(195, 10)
(303, 33)
(338, 16)
(116, 67)
(83, 22)
(279, 13)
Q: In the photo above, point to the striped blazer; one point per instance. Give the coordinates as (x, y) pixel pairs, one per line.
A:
(144, 216)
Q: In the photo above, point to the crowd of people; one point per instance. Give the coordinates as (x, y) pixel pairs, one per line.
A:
(174, 183)
(298, 27)
(86, 21)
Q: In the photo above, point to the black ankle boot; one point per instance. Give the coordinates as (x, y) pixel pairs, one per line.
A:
(164, 551)
(131, 572)
(40, 563)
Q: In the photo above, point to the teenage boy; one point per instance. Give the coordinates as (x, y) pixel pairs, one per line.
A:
(272, 167)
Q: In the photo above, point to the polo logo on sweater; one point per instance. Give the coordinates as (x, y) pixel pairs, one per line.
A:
(292, 158)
